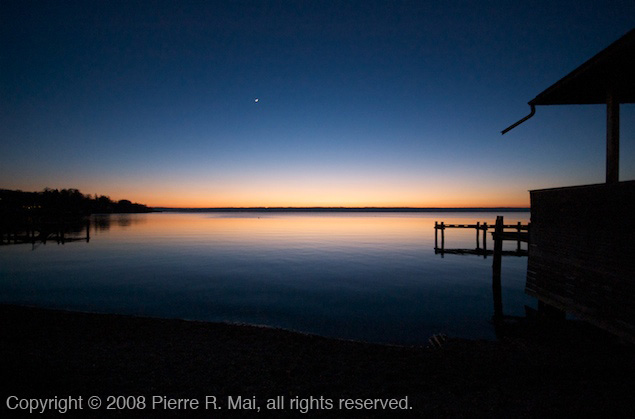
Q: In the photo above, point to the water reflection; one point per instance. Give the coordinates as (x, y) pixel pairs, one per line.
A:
(37, 232)
(362, 276)
(102, 222)
(62, 230)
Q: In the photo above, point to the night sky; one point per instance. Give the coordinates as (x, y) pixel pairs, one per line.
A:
(359, 103)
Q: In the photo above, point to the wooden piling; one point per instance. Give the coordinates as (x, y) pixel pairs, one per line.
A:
(485, 240)
(436, 235)
(442, 236)
(478, 228)
(496, 268)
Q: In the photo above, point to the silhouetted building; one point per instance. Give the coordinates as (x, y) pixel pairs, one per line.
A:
(582, 252)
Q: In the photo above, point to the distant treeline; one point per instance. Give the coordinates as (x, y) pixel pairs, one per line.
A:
(62, 202)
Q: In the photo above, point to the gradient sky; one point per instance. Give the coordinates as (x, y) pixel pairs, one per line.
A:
(360, 103)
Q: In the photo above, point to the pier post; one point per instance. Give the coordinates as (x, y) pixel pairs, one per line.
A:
(478, 226)
(442, 237)
(485, 240)
(496, 268)
(436, 235)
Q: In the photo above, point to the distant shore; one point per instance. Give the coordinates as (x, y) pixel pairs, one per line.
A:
(341, 209)
(47, 353)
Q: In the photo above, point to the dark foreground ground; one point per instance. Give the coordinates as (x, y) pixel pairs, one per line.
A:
(571, 371)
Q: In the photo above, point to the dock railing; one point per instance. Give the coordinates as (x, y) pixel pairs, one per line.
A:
(519, 233)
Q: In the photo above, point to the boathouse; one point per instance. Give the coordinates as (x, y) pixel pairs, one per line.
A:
(582, 238)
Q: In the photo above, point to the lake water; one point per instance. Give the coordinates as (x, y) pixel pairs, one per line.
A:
(363, 276)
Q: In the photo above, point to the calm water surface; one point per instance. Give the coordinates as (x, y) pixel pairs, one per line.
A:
(367, 276)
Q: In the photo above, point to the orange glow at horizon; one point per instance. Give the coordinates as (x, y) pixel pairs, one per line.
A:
(305, 192)
(192, 198)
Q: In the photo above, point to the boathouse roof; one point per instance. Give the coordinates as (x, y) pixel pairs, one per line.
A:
(612, 71)
(605, 78)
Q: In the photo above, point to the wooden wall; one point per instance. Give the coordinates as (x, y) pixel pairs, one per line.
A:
(582, 253)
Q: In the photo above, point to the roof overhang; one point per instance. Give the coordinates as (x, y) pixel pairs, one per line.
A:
(610, 72)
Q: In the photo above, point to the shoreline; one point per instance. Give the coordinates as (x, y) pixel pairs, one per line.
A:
(47, 353)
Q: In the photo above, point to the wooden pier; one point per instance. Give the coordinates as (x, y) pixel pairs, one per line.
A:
(519, 233)
(43, 232)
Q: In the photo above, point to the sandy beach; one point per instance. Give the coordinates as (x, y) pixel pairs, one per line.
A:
(46, 353)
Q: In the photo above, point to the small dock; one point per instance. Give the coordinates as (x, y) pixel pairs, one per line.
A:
(501, 232)
(508, 232)
(43, 232)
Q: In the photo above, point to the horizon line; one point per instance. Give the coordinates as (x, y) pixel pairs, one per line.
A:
(342, 208)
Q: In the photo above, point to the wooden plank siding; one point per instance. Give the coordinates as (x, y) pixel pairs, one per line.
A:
(582, 253)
